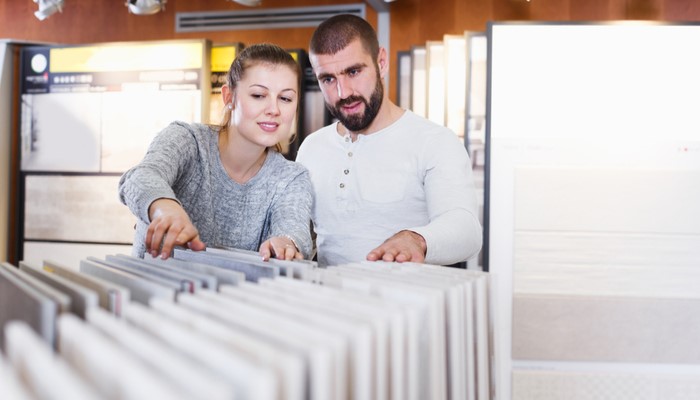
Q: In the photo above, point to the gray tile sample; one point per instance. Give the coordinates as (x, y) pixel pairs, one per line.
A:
(606, 329)
(20, 301)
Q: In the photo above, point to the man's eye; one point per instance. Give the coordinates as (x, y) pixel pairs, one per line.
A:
(353, 72)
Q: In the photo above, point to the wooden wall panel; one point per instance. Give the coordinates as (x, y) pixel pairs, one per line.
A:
(591, 10)
(413, 22)
(677, 10)
(550, 10)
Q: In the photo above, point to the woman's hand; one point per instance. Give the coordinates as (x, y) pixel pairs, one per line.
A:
(281, 247)
(171, 226)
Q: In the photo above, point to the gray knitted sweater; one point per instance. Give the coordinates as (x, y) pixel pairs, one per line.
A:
(183, 163)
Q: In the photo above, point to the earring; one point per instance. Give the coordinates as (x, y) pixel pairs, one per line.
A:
(230, 106)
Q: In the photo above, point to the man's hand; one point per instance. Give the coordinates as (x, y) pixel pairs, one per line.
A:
(171, 226)
(403, 246)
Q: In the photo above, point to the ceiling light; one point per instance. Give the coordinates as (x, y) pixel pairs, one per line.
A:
(145, 7)
(47, 8)
(249, 3)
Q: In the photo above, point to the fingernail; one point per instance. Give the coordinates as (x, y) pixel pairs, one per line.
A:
(154, 254)
(164, 255)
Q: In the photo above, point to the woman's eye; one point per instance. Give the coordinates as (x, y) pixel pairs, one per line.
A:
(257, 96)
(286, 99)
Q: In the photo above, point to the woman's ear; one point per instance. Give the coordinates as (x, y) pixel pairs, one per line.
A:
(227, 95)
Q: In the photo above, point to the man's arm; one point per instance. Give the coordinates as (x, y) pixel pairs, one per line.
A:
(454, 233)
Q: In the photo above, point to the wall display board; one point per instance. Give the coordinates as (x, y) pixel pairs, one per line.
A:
(313, 113)
(6, 69)
(222, 55)
(310, 92)
(455, 82)
(87, 114)
(403, 75)
(9, 61)
(419, 81)
(435, 81)
(475, 107)
(474, 115)
(593, 228)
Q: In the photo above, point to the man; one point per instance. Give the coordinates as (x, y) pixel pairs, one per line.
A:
(388, 184)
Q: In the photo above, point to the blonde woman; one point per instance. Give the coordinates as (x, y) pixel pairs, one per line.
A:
(228, 185)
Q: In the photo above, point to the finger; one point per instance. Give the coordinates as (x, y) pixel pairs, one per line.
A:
(298, 256)
(177, 235)
(289, 252)
(375, 254)
(403, 257)
(196, 244)
(159, 229)
(265, 251)
(281, 251)
(169, 242)
(149, 237)
(389, 255)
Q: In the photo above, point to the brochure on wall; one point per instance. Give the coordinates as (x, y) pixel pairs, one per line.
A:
(95, 108)
(87, 114)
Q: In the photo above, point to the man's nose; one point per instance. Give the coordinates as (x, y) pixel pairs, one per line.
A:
(344, 89)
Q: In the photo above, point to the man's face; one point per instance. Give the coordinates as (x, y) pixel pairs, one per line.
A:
(351, 85)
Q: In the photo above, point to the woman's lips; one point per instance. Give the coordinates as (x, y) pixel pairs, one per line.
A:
(268, 126)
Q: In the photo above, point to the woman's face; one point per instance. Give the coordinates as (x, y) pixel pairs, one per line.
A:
(265, 104)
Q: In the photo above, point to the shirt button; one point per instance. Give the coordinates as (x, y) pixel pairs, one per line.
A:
(347, 139)
(349, 153)
(347, 171)
(342, 185)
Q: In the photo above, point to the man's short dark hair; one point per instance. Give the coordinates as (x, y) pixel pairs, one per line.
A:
(336, 33)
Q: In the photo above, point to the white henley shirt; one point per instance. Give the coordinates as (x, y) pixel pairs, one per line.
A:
(413, 175)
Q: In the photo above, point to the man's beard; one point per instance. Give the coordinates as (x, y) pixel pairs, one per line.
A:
(359, 122)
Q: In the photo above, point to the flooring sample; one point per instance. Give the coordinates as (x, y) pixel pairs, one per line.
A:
(68, 254)
(619, 200)
(606, 329)
(21, 301)
(81, 298)
(61, 132)
(76, 208)
(590, 385)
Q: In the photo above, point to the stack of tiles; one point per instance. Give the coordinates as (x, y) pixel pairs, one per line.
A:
(223, 324)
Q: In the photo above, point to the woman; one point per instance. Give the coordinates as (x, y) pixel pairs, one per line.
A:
(228, 185)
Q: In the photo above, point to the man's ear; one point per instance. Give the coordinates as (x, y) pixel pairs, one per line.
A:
(383, 62)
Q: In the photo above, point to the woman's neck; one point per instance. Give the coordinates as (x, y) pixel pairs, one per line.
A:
(240, 160)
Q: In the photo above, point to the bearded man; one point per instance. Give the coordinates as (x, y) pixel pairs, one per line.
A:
(388, 184)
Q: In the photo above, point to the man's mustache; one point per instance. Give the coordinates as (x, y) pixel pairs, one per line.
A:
(349, 100)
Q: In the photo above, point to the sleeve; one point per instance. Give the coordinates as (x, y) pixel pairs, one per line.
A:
(168, 157)
(454, 233)
(291, 212)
